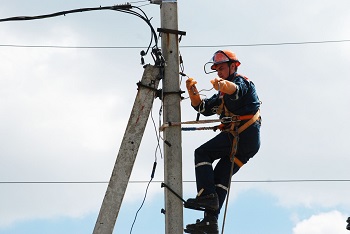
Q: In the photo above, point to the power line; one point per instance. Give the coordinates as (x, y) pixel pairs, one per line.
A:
(184, 46)
(185, 181)
(72, 47)
(123, 7)
(271, 44)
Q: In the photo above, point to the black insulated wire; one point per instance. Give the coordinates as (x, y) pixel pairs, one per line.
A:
(154, 169)
(144, 198)
(125, 8)
(60, 13)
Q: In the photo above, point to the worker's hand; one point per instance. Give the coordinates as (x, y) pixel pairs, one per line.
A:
(215, 83)
(224, 86)
(193, 92)
(190, 83)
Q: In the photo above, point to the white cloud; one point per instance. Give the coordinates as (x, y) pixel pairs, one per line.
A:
(324, 223)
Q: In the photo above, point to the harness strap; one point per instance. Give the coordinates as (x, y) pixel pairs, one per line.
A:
(238, 162)
(250, 122)
(244, 117)
(235, 132)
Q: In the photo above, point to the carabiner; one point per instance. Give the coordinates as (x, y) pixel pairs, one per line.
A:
(226, 120)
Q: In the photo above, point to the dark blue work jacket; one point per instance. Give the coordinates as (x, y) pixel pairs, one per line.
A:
(244, 101)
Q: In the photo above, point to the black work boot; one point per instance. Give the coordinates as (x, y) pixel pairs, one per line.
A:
(209, 225)
(205, 202)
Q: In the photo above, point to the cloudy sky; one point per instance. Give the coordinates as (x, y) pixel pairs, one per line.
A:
(64, 111)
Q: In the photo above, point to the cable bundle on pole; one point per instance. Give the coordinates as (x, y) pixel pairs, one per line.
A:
(125, 8)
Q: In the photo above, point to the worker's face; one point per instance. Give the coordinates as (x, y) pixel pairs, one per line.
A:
(224, 70)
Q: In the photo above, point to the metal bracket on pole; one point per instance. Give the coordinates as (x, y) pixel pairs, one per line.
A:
(164, 185)
(171, 31)
(159, 2)
(161, 94)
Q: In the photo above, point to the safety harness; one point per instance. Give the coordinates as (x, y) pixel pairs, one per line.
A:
(235, 128)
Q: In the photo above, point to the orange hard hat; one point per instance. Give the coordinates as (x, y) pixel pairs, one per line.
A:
(224, 56)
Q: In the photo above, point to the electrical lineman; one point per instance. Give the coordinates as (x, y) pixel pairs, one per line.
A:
(233, 147)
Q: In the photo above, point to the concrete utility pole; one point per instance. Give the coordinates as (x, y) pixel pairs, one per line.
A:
(172, 113)
(127, 152)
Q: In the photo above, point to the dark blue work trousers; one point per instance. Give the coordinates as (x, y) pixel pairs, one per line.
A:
(216, 180)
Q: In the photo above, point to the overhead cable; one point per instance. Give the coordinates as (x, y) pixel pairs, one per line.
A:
(183, 46)
(185, 181)
(269, 44)
(60, 13)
